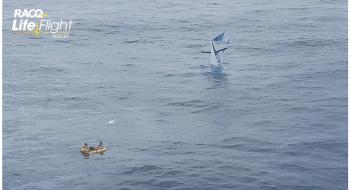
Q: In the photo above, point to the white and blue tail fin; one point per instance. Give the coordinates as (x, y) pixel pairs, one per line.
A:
(217, 47)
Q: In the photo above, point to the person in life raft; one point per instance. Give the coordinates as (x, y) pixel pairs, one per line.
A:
(86, 146)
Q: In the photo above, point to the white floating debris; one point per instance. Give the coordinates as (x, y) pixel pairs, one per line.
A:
(111, 122)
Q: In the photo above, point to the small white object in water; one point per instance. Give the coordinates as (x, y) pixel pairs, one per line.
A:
(111, 122)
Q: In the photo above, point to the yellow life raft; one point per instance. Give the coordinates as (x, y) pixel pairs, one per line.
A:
(97, 150)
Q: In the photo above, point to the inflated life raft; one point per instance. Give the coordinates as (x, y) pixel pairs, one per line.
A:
(96, 150)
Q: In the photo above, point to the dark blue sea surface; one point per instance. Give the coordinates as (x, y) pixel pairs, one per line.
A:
(274, 118)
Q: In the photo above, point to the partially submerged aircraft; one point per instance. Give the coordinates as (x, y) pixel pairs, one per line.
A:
(217, 47)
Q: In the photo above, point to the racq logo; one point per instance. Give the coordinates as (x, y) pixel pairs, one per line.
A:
(36, 22)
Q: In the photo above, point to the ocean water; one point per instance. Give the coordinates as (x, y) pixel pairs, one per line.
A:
(274, 118)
